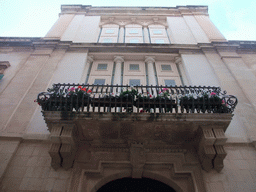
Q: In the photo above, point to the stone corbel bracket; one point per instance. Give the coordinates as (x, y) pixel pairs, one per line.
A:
(210, 149)
(64, 144)
(3, 65)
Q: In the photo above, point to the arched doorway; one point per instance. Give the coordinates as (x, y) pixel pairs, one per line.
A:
(135, 185)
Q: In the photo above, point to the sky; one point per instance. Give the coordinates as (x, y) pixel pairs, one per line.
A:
(235, 19)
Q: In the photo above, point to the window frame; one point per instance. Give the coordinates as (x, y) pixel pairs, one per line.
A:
(108, 39)
(167, 67)
(136, 84)
(134, 42)
(162, 41)
(154, 32)
(131, 31)
(112, 31)
(170, 80)
(133, 66)
(102, 65)
(99, 84)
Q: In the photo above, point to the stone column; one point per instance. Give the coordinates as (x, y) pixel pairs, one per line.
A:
(121, 38)
(145, 34)
(117, 77)
(151, 71)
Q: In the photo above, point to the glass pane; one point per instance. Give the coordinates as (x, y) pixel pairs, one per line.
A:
(157, 32)
(134, 41)
(169, 82)
(134, 82)
(134, 67)
(159, 41)
(99, 81)
(133, 31)
(166, 67)
(107, 40)
(110, 31)
(102, 66)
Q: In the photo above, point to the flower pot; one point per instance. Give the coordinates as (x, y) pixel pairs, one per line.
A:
(112, 102)
(155, 103)
(208, 104)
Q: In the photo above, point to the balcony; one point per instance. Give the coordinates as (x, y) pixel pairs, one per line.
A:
(151, 116)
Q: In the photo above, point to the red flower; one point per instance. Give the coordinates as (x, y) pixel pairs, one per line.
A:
(79, 87)
(83, 89)
(89, 91)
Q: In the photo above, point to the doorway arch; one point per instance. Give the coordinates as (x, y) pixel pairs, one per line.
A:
(135, 185)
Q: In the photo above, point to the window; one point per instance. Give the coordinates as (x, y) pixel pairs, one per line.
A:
(169, 82)
(99, 82)
(157, 32)
(159, 41)
(134, 82)
(134, 67)
(107, 40)
(133, 31)
(109, 31)
(166, 67)
(134, 40)
(102, 66)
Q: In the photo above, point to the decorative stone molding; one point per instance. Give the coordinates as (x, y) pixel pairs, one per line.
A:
(132, 20)
(3, 65)
(137, 159)
(162, 167)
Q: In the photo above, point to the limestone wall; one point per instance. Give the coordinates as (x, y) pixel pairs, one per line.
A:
(30, 169)
(238, 174)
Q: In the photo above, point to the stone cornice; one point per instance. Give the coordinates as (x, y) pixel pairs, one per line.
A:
(36, 42)
(152, 11)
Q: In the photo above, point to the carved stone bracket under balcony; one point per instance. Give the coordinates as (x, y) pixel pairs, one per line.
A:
(210, 149)
(64, 138)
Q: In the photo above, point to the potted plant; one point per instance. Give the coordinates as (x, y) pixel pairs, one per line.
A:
(162, 100)
(123, 99)
(63, 100)
(207, 101)
(78, 97)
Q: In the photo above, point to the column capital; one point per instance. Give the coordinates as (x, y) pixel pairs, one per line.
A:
(118, 59)
(177, 60)
(89, 59)
(144, 25)
(149, 59)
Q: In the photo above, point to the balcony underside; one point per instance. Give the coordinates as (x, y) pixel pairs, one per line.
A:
(121, 128)
(203, 132)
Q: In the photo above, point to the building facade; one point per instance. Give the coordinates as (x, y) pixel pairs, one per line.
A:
(188, 148)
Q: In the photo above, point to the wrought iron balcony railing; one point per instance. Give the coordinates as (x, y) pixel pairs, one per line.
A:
(137, 99)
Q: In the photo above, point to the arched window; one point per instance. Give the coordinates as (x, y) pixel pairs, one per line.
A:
(109, 33)
(133, 33)
(158, 34)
